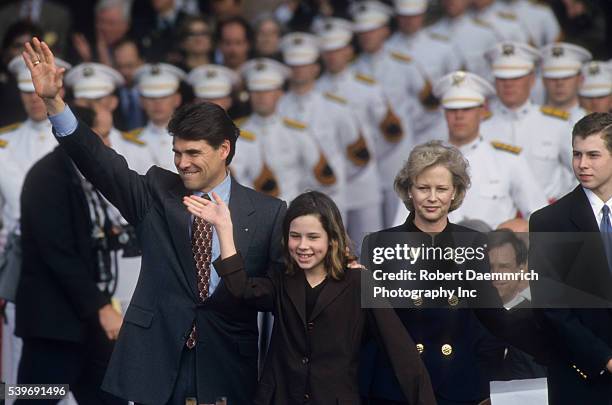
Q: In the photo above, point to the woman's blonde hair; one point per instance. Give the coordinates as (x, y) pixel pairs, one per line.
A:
(321, 206)
(427, 155)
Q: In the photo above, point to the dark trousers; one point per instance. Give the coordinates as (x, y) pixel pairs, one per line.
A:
(81, 365)
(185, 385)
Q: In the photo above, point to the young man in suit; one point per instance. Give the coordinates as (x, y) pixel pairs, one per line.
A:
(184, 335)
(577, 260)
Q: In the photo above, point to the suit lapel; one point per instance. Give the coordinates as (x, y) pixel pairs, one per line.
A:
(242, 209)
(333, 289)
(179, 219)
(581, 213)
(75, 181)
(582, 216)
(296, 290)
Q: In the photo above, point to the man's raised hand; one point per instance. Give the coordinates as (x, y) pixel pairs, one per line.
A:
(46, 76)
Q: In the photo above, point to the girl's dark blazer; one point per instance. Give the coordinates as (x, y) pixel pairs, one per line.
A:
(316, 360)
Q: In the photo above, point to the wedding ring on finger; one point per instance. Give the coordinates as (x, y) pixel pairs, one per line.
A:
(36, 62)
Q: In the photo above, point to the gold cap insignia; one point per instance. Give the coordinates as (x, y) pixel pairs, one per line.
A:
(594, 68)
(557, 51)
(508, 49)
(458, 78)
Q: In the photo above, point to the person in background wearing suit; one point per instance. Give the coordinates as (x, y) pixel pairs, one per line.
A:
(63, 306)
(578, 258)
(316, 301)
(21, 145)
(129, 115)
(181, 318)
(508, 254)
(156, 25)
(53, 17)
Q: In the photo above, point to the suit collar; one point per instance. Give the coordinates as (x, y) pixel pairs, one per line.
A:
(179, 219)
(581, 213)
(297, 293)
(596, 203)
(296, 290)
(332, 289)
(242, 209)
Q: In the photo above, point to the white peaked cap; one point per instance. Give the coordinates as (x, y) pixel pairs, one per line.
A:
(462, 90)
(93, 80)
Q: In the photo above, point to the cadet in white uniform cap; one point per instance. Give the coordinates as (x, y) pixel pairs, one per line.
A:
(433, 56)
(505, 24)
(537, 17)
(93, 86)
(471, 37)
(403, 79)
(596, 89)
(434, 53)
(158, 85)
(214, 83)
(543, 133)
(502, 182)
(404, 85)
(21, 145)
(274, 156)
(562, 77)
(366, 99)
(326, 115)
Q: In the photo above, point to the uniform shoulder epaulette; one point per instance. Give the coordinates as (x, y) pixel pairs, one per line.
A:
(247, 135)
(506, 147)
(507, 15)
(488, 114)
(400, 56)
(335, 97)
(9, 128)
(239, 121)
(555, 112)
(480, 22)
(294, 123)
(3, 143)
(365, 78)
(439, 37)
(133, 135)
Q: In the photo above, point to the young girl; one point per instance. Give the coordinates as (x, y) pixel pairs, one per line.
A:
(316, 300)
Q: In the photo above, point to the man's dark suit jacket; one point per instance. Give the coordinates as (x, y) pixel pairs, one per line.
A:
(518, 365)
(315, 360)
(583, 343)
(57, 297)
(165, 304)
